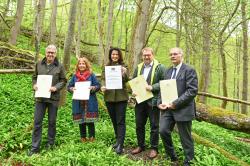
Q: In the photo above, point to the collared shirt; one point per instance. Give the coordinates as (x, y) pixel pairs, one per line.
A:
(177, 69)
(146, 70)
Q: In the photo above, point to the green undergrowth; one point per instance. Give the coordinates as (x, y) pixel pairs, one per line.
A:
(16, 117)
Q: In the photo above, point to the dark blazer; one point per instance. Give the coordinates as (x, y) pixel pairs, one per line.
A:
(187, 87)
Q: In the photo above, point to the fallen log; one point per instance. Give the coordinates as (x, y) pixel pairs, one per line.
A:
(223, 118)
(12, 57)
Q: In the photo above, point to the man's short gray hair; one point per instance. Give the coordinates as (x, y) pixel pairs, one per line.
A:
(180, 51)
(51, 46)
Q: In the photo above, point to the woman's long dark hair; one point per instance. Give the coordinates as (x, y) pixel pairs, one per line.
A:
(120, 60)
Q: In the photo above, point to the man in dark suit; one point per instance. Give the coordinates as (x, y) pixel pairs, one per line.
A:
(182, 110)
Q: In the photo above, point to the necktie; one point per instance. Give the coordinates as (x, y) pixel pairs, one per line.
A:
(174, 73)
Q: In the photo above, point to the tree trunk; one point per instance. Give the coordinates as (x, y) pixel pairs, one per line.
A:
(38, 25)
(237, 72)
(109, 30)
(205, 67)
(140, 28)
(178, 30)
(79, 29)
(223, 118)
(67, 44)
(69, 35)
(101, 34)
(245, 56)
(16, 27)
(53, 22)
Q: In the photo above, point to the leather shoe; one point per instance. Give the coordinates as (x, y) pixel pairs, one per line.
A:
(115, 145)
(119, 149)
(84, 139)
(187, 163)
(152, 154)
(137, 150)
(32, 152)
(91, 139)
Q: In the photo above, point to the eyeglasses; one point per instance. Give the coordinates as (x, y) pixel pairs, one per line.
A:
(146, 55)
(51, 52)
(174, 53)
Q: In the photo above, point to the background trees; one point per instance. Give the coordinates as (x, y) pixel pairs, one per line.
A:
(206, 30)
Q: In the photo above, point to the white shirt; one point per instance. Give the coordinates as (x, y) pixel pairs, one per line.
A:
(177, 69)
(146, 70)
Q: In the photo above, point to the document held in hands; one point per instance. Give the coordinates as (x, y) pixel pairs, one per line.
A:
(43, 83)
(113, 77)
(81, 91)
(138, 86)
(168, 91)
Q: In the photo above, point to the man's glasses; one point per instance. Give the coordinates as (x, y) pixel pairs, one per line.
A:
(51, 52)
(174, 53)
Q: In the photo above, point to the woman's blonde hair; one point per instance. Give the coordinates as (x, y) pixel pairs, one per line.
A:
(87, 63)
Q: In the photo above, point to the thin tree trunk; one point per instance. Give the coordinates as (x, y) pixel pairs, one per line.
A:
(109, 30)
(38, 25)
(69, 35)
(79, 29)
(205, 67)
(101, 34)
(67, 44)
(245, 56)
(16, 27)
(53, 22)
(178, 31)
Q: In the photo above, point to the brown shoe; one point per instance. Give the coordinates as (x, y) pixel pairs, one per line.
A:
(137, 150)
(84, 139)
(152, 154)
(91, 139)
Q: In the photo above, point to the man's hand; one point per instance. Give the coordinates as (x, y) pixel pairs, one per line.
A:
(149, 88)
(35, 87)
(163, 106)
(52, 89)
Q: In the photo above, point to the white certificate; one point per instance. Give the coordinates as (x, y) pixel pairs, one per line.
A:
(43, 83)
(81, 91)
(113, 77)
(168, 91)
(138, 86)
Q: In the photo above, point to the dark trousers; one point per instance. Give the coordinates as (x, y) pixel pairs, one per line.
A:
(117, 113)
(83, 129)
(142, 112)
(167, 123)
(40, 109)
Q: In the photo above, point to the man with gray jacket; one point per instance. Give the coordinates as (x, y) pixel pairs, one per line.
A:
(48, 66)
(182, 110)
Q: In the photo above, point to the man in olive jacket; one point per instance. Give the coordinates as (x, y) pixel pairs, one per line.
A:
(48, 66)
(153, 72)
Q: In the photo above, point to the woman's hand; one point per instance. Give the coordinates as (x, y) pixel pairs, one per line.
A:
(72, 89)
(124, 70)
(103, 88)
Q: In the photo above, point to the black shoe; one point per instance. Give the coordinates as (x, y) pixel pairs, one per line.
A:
(187, 163)
(115, 145)
(119, 149)
(49, 147)
(32, 151)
